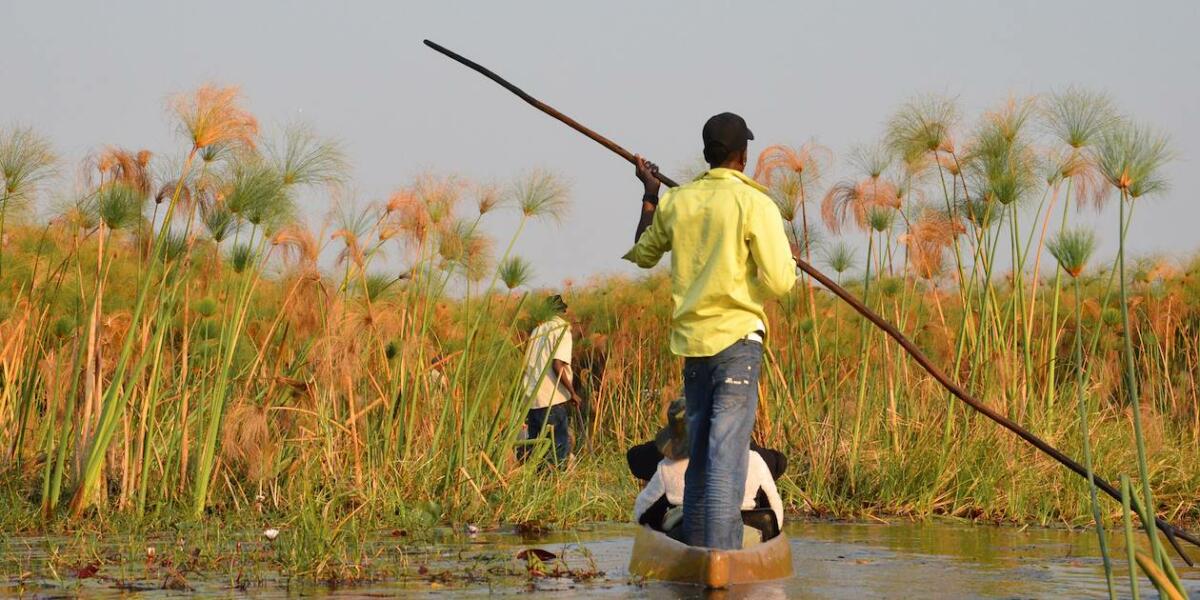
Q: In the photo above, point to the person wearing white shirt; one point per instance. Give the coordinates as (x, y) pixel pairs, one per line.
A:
(547, 379)
(667, 483)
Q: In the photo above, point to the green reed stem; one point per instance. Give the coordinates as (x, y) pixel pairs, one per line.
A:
(1130, 546)
(1130, 377)
(1085, 434)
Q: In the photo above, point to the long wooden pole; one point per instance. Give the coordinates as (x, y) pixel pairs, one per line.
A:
(1171, 531)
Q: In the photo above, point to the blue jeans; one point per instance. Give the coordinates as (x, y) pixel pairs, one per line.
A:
(722, 396)
(556, 416)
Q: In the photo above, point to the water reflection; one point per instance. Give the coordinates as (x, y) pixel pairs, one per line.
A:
(937, 560)
(831, 560)
(907, 560)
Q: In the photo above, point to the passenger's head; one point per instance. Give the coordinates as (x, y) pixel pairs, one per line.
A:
(672, 440)
(725, 141)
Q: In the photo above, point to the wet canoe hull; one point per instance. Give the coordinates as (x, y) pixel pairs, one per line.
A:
(656, 556)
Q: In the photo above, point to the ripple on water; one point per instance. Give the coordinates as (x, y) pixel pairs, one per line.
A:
(831, 559)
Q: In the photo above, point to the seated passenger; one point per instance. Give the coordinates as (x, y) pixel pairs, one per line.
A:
(643, 460)
(659, 505)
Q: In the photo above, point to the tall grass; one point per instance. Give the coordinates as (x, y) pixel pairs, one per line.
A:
(1072, 250)
(178, 342)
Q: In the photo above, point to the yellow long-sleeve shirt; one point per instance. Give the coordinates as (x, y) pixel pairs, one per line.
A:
(729, 254)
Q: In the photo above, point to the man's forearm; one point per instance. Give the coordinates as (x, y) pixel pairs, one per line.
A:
(647, 173)
(647, 217)
(562, 373)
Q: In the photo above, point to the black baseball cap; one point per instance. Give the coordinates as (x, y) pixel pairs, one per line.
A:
(724, 133)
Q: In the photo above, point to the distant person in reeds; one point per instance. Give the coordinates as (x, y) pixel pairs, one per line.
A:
(437, 373)
(729, 255)
(548, 379)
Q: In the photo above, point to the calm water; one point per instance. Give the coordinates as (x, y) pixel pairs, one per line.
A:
(832, 560)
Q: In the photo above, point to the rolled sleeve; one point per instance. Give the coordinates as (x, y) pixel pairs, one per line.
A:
(770, 249)
(654, 243)
(564, 345)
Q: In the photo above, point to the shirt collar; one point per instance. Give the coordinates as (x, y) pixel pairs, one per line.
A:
(725, 173)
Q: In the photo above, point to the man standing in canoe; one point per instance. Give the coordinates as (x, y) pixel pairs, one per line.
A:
(729, 255)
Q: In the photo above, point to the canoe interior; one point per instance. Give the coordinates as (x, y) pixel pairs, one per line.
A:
(656, 556)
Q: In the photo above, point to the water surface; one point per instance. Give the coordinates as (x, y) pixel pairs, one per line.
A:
(831, 559)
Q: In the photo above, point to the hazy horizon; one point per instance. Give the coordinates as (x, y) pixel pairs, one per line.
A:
(89, 75)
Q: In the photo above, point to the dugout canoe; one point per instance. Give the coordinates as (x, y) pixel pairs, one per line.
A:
(656, 556)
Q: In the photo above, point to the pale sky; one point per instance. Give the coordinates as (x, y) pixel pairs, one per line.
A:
(88, 74)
